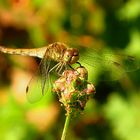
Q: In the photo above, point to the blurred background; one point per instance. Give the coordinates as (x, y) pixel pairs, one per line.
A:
(113, 113)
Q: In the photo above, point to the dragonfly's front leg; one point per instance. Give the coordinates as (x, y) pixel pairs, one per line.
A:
(77, 63)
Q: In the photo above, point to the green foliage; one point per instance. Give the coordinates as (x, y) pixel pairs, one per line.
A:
(108, 25)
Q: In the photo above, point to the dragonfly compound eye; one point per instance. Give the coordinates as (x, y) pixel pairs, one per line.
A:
(71, 56)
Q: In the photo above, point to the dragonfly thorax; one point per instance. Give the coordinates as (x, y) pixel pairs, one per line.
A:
(71, 56)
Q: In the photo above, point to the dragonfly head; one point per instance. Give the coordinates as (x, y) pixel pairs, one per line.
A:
(71, 55)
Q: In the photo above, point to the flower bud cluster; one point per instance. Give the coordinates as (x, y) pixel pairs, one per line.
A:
(73, 89)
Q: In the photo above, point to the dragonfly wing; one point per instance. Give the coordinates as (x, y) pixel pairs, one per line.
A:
(34, 90)
(44, 71)
(40, 83)
(110, 64)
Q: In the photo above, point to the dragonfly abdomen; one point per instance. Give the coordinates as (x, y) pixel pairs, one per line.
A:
(36, 52)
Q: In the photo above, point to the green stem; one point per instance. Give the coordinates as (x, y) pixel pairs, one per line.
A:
(66, 126)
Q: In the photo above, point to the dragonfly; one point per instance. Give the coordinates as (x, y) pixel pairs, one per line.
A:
(65, 57)
(59, 52)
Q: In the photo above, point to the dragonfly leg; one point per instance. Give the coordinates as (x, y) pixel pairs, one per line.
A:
(71, 67)
(79, 64)
(61, 66)
(56, 66)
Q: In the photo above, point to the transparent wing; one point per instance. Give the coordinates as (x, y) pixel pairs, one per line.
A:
(112, 66)
(40, 84)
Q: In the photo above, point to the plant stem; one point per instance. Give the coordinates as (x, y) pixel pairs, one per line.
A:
(66, 126)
